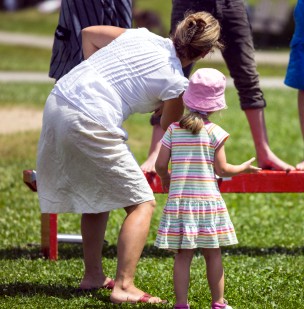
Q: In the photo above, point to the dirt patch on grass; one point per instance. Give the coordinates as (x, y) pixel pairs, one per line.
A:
(19, 119)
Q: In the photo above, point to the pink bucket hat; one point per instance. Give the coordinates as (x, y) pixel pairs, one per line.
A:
(206, 91)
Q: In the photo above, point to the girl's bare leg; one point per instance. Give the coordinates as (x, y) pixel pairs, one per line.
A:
(215, 273)
(182, 263)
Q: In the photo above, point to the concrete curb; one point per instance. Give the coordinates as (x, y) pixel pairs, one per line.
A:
(267, 57)
(262, 57)
(34, 77)
(10, 38)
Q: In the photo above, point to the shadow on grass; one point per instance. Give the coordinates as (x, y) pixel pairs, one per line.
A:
(263, 251)
(25, 289)
(61, 291)
(71, 251)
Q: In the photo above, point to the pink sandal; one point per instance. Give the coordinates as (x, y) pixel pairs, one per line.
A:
(221, 306)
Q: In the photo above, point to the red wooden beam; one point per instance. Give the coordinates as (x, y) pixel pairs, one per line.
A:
(48, 222)
(262, 182)
(49, 242)
(29, 178)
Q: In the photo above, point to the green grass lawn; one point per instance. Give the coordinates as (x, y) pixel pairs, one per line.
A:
(262, 271)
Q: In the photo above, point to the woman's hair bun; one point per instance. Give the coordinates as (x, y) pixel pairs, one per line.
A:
(197, 34)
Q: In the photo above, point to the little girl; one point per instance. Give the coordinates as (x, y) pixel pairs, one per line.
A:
(195, 215)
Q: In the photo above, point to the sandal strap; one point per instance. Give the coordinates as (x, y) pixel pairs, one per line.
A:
(218, 306)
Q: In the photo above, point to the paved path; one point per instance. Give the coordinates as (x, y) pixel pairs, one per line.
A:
(26, 39)
(47, 41)
(7, 77)
(19, 119)
(16, 119)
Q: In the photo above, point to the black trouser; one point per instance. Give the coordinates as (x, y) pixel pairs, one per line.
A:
(237, 38)
(76, 15)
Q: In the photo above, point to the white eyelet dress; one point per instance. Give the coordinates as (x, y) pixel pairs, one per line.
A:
(83, 162)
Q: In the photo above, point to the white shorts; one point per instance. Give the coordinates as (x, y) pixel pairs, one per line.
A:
(81, 167)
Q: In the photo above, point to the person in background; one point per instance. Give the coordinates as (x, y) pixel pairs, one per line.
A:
(295, 71)
(77, 15)
(195, 215)
(239, 57)
(83, 153)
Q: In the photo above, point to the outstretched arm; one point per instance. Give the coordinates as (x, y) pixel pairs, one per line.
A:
(224, 169)
(96, 37)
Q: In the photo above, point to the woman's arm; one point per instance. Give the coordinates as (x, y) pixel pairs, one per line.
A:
(173, 110)
(96, 37)
(224, 169)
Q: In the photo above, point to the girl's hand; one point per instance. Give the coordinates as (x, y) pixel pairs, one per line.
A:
(248, 168)
(165, 181)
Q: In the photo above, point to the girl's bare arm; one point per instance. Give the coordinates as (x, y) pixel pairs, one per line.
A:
(224, 169)
(162, 167)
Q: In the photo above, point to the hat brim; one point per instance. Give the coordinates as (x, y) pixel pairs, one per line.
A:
(205, 105)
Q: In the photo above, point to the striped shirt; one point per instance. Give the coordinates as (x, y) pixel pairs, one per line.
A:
(76, 15)
(192, 160)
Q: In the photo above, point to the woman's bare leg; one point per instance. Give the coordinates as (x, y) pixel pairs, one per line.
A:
(131, 241)
(93, 227)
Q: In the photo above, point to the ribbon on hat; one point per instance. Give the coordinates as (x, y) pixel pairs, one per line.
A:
(199, 112)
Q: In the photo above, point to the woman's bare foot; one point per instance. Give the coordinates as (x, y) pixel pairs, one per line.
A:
(96, 283)
(300, 166)
(133, 295)
(272, 162)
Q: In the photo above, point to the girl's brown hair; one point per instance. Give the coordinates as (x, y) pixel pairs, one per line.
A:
(198, 33)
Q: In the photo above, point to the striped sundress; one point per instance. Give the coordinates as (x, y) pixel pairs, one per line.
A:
(195, 215)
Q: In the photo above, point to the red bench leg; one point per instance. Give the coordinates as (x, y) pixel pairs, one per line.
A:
(49, 244)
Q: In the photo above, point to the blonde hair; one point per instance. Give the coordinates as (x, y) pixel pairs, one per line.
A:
(198, 33)
(192, 121)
